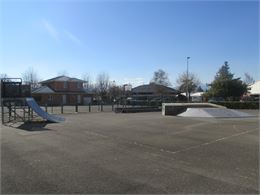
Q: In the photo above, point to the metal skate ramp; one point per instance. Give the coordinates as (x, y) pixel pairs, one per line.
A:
(38, 110)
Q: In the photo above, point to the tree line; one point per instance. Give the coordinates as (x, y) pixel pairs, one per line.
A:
(224, 85)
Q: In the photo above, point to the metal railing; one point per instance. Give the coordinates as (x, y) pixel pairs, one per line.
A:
(15, 110)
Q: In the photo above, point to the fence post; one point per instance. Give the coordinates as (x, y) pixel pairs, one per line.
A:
(9, 111)
(29, 113)
(61, 108)
(15, 111)
(101, 106)
(112, 106)
(76, 107)
(89, 107)
(2, 105)
(46, 108)
(24, 113)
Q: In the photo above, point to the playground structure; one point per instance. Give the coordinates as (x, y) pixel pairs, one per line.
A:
(17, 104)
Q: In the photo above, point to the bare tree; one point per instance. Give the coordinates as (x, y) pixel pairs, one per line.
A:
(102, 84)
(190, 82)
(3, 76)
(115, 91)
(248, 79)
(87, 81)
(160, 77)
(30, 77)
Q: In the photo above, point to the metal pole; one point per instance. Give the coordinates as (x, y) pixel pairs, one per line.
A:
(51, 106)
(61, 108)
(76, 107)
(29, 113)
(15, 111)
(24, 113)
(187, 80)
(2, 105)
(9, 111)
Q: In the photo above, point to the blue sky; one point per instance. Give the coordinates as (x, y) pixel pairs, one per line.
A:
(129, 40)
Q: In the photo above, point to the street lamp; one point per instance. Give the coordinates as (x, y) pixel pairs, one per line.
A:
(187, 80)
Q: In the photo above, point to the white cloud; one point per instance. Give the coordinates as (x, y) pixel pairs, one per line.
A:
(58, 34)
(73, 37)
(51, 29)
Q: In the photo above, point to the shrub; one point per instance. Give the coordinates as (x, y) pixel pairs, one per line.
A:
(239, 105)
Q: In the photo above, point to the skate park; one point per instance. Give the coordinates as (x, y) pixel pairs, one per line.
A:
(129, 97)
(146, 152)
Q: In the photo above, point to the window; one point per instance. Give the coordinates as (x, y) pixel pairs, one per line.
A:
(50, 98)
(65, 84)
(79, 85)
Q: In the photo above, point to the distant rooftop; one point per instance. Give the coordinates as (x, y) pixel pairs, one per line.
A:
(43, 89)
(153, 88)
(62, 79)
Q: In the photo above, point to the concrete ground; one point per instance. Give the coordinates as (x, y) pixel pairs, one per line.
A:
(131, 153)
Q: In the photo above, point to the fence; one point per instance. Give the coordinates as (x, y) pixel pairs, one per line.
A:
(15, 110)
(69, 109)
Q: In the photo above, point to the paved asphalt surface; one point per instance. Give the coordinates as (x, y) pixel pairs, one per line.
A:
(131, 153)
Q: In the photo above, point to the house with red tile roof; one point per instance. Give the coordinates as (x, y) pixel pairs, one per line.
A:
(62, 90)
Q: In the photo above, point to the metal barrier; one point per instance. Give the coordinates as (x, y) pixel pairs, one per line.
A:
(14, 110)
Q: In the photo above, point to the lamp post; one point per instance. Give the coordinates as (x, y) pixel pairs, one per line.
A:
(187, 80)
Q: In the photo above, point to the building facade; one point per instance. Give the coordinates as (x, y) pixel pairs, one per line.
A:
(153, 93)
(62, 90)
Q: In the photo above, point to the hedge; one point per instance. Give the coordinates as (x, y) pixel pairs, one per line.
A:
(239, 105)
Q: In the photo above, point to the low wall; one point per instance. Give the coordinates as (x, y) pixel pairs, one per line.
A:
(137, 109)
(177, 108)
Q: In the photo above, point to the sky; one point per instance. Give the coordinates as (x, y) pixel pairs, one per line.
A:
(129, 40)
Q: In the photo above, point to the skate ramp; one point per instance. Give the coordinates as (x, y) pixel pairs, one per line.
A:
(214, 113)
(177, 108)
(37, 109)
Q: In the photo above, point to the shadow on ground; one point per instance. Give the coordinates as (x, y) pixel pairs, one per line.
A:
(34, 126)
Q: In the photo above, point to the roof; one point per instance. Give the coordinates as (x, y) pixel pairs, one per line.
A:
(43, 89)
(255, 88)
(89, 91)
(153, 88)
(62, 79)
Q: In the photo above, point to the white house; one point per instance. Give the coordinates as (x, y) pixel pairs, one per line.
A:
(197, 97)
(255, 88)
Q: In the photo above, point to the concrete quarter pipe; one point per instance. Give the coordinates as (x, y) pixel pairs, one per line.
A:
(214, 112)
